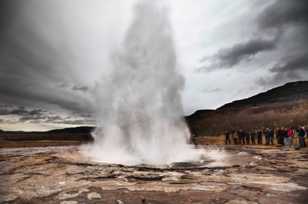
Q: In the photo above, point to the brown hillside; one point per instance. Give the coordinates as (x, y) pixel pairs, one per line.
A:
(283, 106)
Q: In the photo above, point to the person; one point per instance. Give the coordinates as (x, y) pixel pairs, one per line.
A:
(291, 134)
(227, 138)
(235, 137)
(238, 132)
(286, 139)
(279, 136)
(267, 136)
(247, 137)
(241, 136)
(301, 137)
(271, 136)
(259, 135)
(253, 135)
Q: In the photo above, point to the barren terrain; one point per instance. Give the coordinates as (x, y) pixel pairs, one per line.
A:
(252, 175)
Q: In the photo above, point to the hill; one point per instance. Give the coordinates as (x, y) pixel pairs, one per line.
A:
(67, 136)
(290, 92)
(286, 105)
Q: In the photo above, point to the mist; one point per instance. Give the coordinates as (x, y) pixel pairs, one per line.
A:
(140, 118)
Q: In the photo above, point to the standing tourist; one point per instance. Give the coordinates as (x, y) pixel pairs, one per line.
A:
(279, 136)
(259, 135)
(286, 139)
(267, 136)
(271, 136)
(227, 138)
(301, 137)
(235, 137)
(253, 135)
(242, 136)
(291, 134)
(247, 137)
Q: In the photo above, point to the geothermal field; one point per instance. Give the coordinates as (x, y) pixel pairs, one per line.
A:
(236, 175)
(141, 150)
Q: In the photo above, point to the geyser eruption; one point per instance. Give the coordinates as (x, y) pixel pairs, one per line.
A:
(140, 115)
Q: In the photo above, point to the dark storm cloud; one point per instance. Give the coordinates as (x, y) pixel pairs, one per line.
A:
(244, 51)
(299, 63)
(284, 13)
(287, 24)
(8, 9)
(21, 111)
(31, 64)
(284, 16)
(73, 87)
(80, 88)
(296, 68)
(38, 115)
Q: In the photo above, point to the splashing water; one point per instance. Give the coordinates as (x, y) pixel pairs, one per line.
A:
(140, 115)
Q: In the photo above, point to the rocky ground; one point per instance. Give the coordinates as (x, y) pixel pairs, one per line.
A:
(235, 175)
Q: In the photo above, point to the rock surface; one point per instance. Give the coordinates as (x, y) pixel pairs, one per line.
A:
(252, 175)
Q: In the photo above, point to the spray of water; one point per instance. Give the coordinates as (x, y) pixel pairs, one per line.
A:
(140, 115)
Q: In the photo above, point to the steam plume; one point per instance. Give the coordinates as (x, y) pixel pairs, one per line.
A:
(140, 115)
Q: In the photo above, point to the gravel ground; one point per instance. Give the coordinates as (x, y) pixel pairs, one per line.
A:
(233, 175)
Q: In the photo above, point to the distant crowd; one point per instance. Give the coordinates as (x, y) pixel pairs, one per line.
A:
(268, 136)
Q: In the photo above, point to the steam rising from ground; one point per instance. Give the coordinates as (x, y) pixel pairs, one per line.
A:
(140, 115)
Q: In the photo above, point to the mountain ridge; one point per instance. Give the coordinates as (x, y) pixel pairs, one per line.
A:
(286, 105)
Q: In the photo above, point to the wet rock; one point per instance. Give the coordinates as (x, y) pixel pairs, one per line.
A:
(7, 198)
(186, 164)
(64, 196)
(146, 177)
(94, 195)
(71, 194)
(242, 154)
(257, 157)
(252, 164)
(69, 202)
(119, 202)
(237, 201)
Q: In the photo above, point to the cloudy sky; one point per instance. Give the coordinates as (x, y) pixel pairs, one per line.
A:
(54, 52)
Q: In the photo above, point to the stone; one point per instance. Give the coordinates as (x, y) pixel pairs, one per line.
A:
(7, 198)
(120, 202)
(71, 194)
(69, 202)
(94, 195)
(240, 201)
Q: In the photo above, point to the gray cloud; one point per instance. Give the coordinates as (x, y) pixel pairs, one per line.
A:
(295, 68)
(276, 20)
(243, 51)
(23, 113)
(80, 88)
(20, 110)
(284, 13)
(298, 63)
(38, 115)
(287, 24)
(32, 64)
(288, 18)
